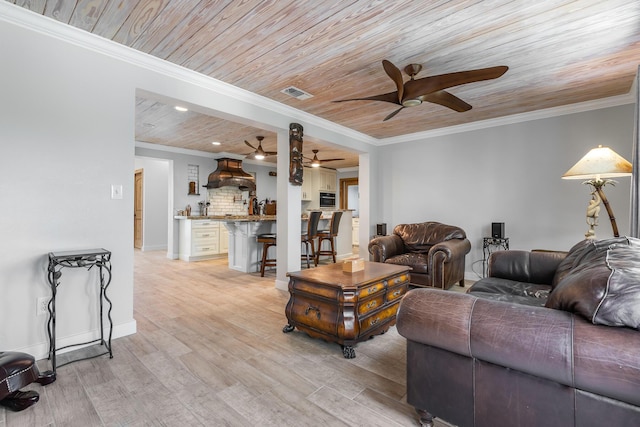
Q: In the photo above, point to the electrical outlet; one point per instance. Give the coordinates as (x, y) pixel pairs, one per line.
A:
(42, 306)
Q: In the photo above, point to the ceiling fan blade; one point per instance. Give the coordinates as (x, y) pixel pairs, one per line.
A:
(392, 114)
(251, 155)
(247, 142)
(270, 153)
(329, 160)
(386, 97)
(396, 75)
(427, 85)
(448, 100)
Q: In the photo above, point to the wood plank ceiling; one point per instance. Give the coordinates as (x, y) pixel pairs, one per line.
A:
(559, 52)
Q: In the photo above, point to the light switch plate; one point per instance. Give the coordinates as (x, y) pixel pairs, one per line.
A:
(116, 191)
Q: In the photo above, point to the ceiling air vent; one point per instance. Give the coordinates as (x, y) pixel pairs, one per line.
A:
(296, 93)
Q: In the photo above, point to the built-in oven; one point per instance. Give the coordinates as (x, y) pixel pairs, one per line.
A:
(327, 200)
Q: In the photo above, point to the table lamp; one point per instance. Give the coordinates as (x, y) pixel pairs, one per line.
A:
(597, 167)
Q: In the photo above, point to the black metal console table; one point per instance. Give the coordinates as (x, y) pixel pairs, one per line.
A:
(99, 258)
(489, 244)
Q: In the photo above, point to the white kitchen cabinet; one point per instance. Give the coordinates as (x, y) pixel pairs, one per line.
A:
(201, 239)
(308, 182)
(355, 231)
(316, 180)
(328, 180)
(224, 239)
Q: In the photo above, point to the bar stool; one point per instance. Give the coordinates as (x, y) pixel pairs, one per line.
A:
(267, 241)
(329, 235)
(308, 237)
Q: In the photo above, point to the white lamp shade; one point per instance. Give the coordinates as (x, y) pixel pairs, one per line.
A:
(601, 162)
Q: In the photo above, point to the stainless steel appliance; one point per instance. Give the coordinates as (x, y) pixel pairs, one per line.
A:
(327, 200)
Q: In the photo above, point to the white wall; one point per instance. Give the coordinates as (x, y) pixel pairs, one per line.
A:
(507, 174)
(155, 202)
(66, 135)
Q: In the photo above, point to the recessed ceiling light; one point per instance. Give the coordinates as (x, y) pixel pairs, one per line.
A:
(182, 109)
(216, 143)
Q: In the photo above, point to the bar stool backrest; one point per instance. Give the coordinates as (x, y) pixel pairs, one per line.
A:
(312, 227)
(335, 223)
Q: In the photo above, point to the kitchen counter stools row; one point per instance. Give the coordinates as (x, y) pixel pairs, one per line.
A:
(307, 238)
(240, 241)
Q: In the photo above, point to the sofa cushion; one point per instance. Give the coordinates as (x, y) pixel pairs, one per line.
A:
(417, 261)
(499, 289)
(605, 286)
(573, 259)
(420, 237)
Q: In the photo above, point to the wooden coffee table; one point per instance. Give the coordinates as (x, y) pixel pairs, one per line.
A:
(345, 308)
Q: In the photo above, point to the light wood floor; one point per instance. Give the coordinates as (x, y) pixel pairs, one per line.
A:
(210, 351)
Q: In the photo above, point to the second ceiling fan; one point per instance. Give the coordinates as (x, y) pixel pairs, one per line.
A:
(414, 92)
(315, 162)
(258, 153)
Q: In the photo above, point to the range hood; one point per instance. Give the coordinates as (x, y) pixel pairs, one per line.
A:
(230, 174)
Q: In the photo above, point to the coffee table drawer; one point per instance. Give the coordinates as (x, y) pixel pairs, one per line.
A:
(397, 292)
(402, 278)
(372, 289)
(315, 314)
(378, 318)
(369, 305)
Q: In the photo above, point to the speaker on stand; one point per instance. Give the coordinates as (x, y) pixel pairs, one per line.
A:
(497, 230)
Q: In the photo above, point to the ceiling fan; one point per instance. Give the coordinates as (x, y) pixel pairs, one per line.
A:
(315, 162)
(258, 153)
(414, 92)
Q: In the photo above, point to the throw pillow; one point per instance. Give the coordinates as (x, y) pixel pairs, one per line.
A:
(572, 260)
(605, 286)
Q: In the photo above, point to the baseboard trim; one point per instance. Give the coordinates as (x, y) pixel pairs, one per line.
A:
(41, 350)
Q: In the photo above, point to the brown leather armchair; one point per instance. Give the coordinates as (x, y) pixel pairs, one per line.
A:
(433, 250)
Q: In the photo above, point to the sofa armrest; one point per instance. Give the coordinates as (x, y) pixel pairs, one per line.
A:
(547, 343)
(525, 266)
(534, 340)
(384, 247)
(449, 249)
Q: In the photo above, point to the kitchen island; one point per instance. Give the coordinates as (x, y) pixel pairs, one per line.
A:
(243, 250)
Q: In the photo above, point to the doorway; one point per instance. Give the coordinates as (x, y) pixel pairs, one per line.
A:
(137, 209)
(349, 196)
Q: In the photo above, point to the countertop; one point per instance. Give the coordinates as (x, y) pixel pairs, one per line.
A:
(230, 217)
(251, 217)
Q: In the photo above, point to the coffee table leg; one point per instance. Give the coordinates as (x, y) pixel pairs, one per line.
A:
(288, 328)
(348, 352)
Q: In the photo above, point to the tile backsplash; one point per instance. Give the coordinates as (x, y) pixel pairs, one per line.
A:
(227, 200)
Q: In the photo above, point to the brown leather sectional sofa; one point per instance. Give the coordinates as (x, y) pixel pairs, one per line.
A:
(434, 251)
(549, 339)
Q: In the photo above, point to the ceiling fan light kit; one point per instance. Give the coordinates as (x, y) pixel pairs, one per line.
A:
(258, 153)
(414, 91)
(315, 162)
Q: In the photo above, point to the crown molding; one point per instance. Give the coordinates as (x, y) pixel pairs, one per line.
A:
(514, 118)
(198, 153)
(187, 151)
(44, 25)
(50, 27)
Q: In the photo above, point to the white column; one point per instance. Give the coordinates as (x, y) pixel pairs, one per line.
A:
(289, 225)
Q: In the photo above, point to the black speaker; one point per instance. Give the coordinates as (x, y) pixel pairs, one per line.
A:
(497, 230)
(381, 229)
